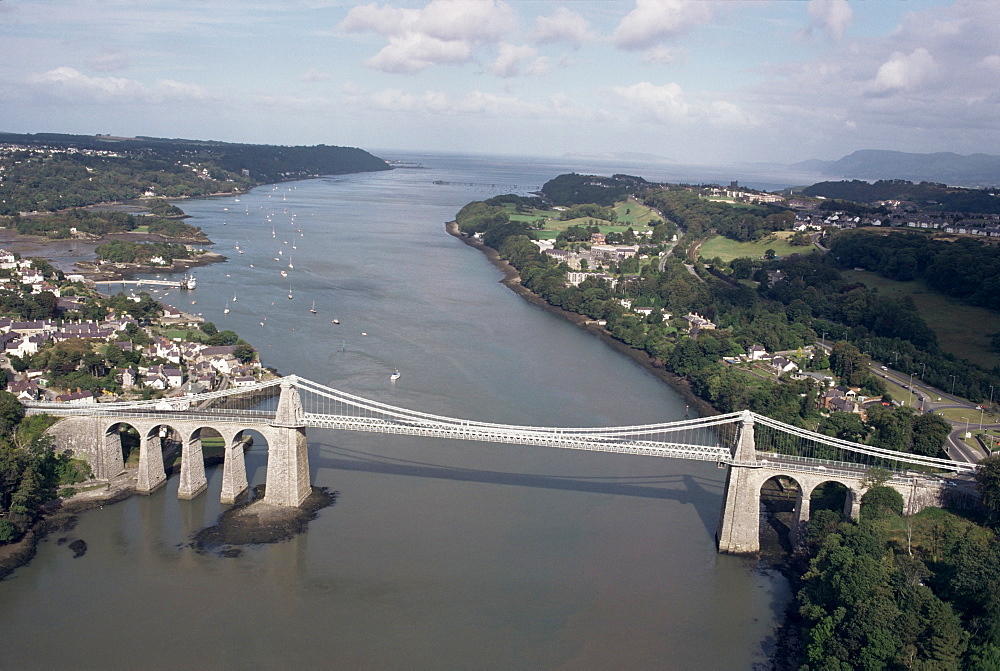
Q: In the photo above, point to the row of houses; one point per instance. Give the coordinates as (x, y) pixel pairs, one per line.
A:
(24, 338)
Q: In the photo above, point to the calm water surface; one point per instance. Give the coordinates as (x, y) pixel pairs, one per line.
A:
(437, 554)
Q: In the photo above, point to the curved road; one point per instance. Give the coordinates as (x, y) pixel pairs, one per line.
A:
(925, 394)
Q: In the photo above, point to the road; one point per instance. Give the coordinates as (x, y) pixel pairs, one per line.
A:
(931, 399)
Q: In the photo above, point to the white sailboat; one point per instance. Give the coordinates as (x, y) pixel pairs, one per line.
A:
(313, 308)
(394, 376)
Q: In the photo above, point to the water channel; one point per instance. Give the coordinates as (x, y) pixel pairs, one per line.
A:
(437, 554)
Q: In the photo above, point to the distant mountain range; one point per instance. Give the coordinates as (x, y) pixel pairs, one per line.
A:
(975, 170)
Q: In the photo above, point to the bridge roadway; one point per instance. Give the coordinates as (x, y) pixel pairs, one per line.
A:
(728, 440)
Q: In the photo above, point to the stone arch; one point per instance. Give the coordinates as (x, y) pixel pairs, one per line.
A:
(830, 495)
(192, 477)
(120, 444)
(159, 441)
(782, 500)
(234, 471)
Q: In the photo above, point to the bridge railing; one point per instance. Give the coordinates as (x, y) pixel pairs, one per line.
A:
(891, 456)
(710, 437)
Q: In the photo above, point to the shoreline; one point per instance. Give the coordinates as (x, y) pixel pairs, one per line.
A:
(787, 640)
(512, 280)
(61, 514)
(60, 253)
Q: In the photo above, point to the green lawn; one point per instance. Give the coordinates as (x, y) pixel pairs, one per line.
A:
(633, 213)
(961, 415)
(630, 213)
(961, 329)
(727, 249)
(186, 334)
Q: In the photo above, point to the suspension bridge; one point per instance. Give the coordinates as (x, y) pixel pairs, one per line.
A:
(752, 447)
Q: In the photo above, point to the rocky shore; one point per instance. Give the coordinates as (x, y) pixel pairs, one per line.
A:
(78, 255)
(512, 280)
(116, 271)
(256, 522)
(60, 515)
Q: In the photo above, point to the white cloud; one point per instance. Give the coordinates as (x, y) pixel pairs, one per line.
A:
(564, 25)
(669, 104)
(657, 103)
(71, 84)
(109, 61)
(904, 72)
(313, 76)
(414, 52)
(661, 55)
(655, 20)
(472, 103)
(509, 62)
(991, 62)
(67, 81)
(831, 16)
(539, 67)
(444, 31)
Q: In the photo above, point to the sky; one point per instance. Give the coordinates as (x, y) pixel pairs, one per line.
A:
(718, 82)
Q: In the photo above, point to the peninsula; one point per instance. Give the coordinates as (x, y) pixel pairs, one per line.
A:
(790, 305)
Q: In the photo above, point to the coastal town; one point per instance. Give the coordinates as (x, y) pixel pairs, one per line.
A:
(136, 349)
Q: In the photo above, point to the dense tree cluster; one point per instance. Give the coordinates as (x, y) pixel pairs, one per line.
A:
(574, 189)
(30, 469)
(61, 225)
(865, 606)
(699, 216)
(112, 169)
(888, 329)
(966, 269)
(120, 251)
(925, 195)
(61, 181)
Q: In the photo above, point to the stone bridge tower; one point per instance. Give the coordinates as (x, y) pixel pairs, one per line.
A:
(288, 454)
(739, 521)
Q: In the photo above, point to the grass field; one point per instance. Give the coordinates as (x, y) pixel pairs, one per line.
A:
(727, 249)
(630, 213)
(961, 329)
(635, 214)
(963, 414)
